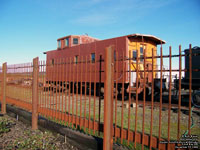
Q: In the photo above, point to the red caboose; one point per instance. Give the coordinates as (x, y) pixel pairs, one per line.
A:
(72, 49)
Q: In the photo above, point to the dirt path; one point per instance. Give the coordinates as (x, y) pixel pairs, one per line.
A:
(17, 135)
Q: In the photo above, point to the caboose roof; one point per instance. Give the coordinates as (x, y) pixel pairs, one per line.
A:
(136, 35)
(154, 38)
(76, 36)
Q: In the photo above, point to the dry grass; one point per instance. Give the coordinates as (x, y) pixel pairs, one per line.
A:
(60, 100)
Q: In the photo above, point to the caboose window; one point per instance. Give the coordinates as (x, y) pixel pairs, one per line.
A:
(141, 53)
(134, 55)
(76, 59)
(66, 42)
(52, 62)
(59, 44)
(93, 57)
(75, 41)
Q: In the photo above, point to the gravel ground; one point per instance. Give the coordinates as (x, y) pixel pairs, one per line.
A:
(18, 135)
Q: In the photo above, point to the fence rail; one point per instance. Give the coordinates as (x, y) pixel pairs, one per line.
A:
(132, 97)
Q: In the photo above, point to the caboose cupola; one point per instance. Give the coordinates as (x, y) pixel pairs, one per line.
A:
(74, 40)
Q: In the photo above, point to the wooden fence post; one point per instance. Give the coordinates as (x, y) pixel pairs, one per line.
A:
(108, 103)
(35, 94)
(3, 105)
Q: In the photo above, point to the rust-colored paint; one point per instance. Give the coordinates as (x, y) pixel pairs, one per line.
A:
(90, 88)
(61, 73)
(77, 77)
(94, 95)
(160, 110)
(44, 92)
(99, 88)
(70, 61)
(44, 96)
(47, 94)
(73, 76)
(99, 127)
(59, 87)
(144, 97)
(3, 106)
(116, 92)
(122, 108)
(66, 90)
(52, 83)
(98, 46)
(108, 103)
(56, 87)
(41, 104)
(129, 102)
(35, 94)
(81, 88)
(62, 93)
(21, 104)
(85, 93)
(152, 100)
(169, 108)
(137, 74)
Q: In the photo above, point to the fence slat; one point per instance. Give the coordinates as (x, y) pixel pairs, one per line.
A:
(136, 107)
(152, 98)
(160, 110)
(144, 97)
(169, 107)
(122, 108)
(179, 94)
(35, 95)
(3, 106)
(108, 103)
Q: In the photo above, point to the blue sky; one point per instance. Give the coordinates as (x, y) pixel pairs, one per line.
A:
(30, 27)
